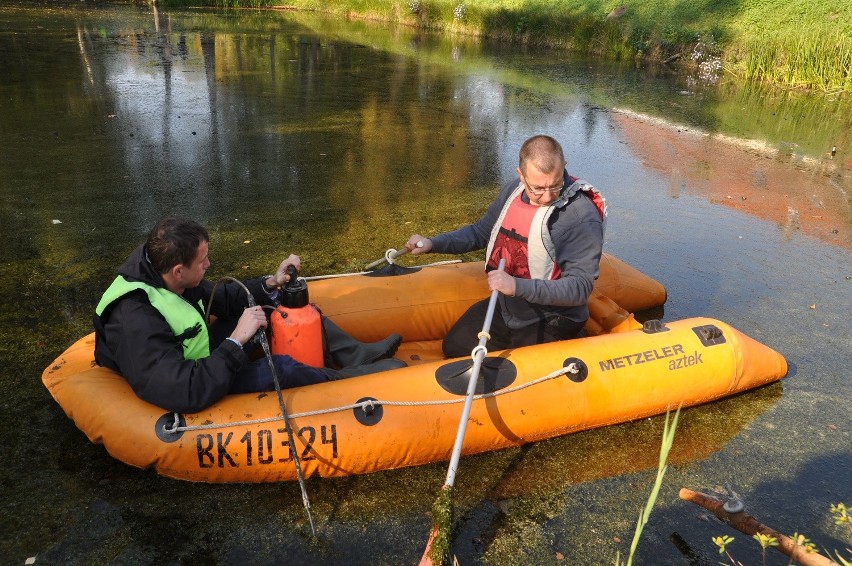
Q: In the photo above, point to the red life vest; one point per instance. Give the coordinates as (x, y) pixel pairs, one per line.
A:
(512, 241)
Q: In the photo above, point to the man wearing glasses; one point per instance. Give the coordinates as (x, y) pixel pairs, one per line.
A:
(549, 228)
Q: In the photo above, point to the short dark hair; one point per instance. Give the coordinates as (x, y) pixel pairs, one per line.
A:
(174, 241)
(544, 152)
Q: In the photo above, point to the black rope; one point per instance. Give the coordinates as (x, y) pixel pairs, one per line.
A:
(264, 343)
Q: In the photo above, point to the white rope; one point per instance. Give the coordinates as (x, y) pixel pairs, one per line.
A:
(571, 368)
(336, 275)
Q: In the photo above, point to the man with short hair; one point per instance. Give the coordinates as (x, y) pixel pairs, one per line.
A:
(548, 226)
(150, 327)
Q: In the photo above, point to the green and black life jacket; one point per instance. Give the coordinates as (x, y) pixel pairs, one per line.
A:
(185, 320)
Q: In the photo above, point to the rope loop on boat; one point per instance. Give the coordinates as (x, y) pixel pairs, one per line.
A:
(371, 404)
(175, 428)
(572, 368)
(368, 407)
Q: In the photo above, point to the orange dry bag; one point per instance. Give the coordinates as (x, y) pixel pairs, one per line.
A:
(296, 324)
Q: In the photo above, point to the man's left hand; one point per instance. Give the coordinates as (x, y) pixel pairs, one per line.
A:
(281, 276)
(501, 281)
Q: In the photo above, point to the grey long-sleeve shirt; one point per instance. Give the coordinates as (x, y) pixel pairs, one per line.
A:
(576, 230)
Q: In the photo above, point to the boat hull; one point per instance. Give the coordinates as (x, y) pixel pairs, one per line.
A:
(415, 410)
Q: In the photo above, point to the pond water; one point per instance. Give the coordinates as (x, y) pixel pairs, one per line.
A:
(285, 132)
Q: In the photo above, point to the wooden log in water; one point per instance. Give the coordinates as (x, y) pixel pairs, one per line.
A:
(749, 525)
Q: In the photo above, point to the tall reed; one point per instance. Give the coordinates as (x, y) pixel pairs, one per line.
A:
(815, 59)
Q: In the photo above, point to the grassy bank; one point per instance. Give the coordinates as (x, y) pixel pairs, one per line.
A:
(802, 44)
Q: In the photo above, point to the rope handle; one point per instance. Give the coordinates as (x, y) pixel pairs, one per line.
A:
(391, 255)
(175, 425)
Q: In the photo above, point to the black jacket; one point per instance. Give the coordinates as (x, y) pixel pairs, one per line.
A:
(133, 338)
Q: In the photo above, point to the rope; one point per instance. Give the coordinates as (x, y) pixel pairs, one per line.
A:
(571, 368)
(261, 337)
(336, 275)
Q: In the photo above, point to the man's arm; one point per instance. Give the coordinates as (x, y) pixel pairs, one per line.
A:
(474, 236)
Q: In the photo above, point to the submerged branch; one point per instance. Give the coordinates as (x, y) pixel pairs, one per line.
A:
(749, 525)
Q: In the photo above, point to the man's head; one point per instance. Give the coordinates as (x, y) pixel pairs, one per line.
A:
(177, 249)
(541, 165)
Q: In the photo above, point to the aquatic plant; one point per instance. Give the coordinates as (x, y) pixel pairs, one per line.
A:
(804, 541)
(722, 542)
(817, 58)
(669, 429)
(765, 541)
(841, 516)
(442, 517)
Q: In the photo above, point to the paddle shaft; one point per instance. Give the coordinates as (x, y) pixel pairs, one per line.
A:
(478, 358)
(391, 255)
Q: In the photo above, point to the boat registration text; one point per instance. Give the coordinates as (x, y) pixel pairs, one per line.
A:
(260, 447)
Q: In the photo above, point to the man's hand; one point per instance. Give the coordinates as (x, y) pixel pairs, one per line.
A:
(418, 244)
(501, 281)
(252, 320)
(281, 276)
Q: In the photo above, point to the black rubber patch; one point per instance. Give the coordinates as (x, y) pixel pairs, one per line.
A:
(165, 422)
(370, 415)
(392, 270)
(494, 375)
(709, 335)
(654, 326)
(582, 373)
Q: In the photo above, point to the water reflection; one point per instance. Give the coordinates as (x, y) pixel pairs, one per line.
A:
(632, 448)
(746, 176)
(196, 111)
(544, 469)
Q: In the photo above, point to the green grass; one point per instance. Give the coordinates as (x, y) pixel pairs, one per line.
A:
(819, 59)
(669, 430)
(802, 44)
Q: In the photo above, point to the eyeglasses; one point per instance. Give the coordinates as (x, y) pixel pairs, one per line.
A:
(539, 191)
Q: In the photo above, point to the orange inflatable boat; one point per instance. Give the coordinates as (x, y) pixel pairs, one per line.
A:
(409, 416)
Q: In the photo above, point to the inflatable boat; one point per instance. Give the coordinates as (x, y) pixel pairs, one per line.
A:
(621, 371)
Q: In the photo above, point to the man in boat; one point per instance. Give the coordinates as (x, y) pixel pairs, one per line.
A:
(548, 226)
(150, 328)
